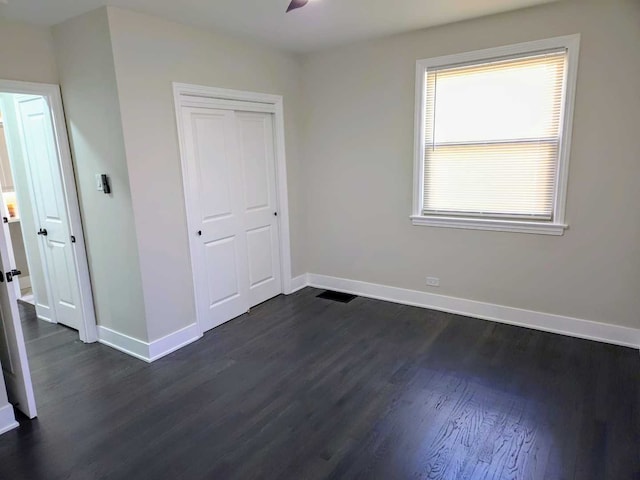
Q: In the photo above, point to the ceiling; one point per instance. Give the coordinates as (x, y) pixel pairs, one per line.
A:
(322, 23)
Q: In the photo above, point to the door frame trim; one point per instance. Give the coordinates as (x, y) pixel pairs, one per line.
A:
(189, 95)
(51, 92)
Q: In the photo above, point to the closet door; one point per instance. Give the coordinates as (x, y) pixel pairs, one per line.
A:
(255, 133)
(229, 169)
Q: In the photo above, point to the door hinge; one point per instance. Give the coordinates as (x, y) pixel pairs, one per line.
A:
(5, 220)
(9, 276)
(73, 239)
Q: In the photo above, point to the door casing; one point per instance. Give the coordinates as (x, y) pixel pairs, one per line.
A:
(188, 95)
(88, 330)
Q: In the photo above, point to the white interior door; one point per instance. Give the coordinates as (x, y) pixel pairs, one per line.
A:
(230, 171)
(43, 164)
(13, 354)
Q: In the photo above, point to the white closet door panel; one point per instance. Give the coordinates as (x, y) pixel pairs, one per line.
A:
(215, 167)
(255, 159)
(260, 245)
(255, 132)
(225, 300)
(220, 268)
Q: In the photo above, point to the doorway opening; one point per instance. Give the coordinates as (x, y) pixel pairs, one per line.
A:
(17, 212)
(43, 262)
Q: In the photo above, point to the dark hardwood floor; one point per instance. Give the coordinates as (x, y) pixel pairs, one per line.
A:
(306, 388)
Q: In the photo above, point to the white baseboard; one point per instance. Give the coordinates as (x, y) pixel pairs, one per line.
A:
(575, 327)
(148, 351)
(124, 343)
(298, 283)
(172, 342)
(7, 419)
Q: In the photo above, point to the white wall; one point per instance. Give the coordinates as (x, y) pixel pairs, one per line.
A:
(26, 53)
(150, 54)
(349, 127)
(358, 150)
(87, 78)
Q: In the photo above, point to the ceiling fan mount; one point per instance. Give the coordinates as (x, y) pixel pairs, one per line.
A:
(296, 4)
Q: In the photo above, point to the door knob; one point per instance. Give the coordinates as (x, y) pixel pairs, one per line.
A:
(43, 232)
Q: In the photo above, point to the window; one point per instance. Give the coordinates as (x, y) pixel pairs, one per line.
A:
(492, 137)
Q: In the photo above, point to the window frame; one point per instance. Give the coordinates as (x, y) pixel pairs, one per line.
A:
(557, 225)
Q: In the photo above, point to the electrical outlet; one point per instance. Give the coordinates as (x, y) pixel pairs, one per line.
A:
(433, 281)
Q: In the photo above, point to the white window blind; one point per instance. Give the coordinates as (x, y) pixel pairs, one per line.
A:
(492, 137)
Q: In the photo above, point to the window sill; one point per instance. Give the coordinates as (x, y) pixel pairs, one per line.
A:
(540, 228)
